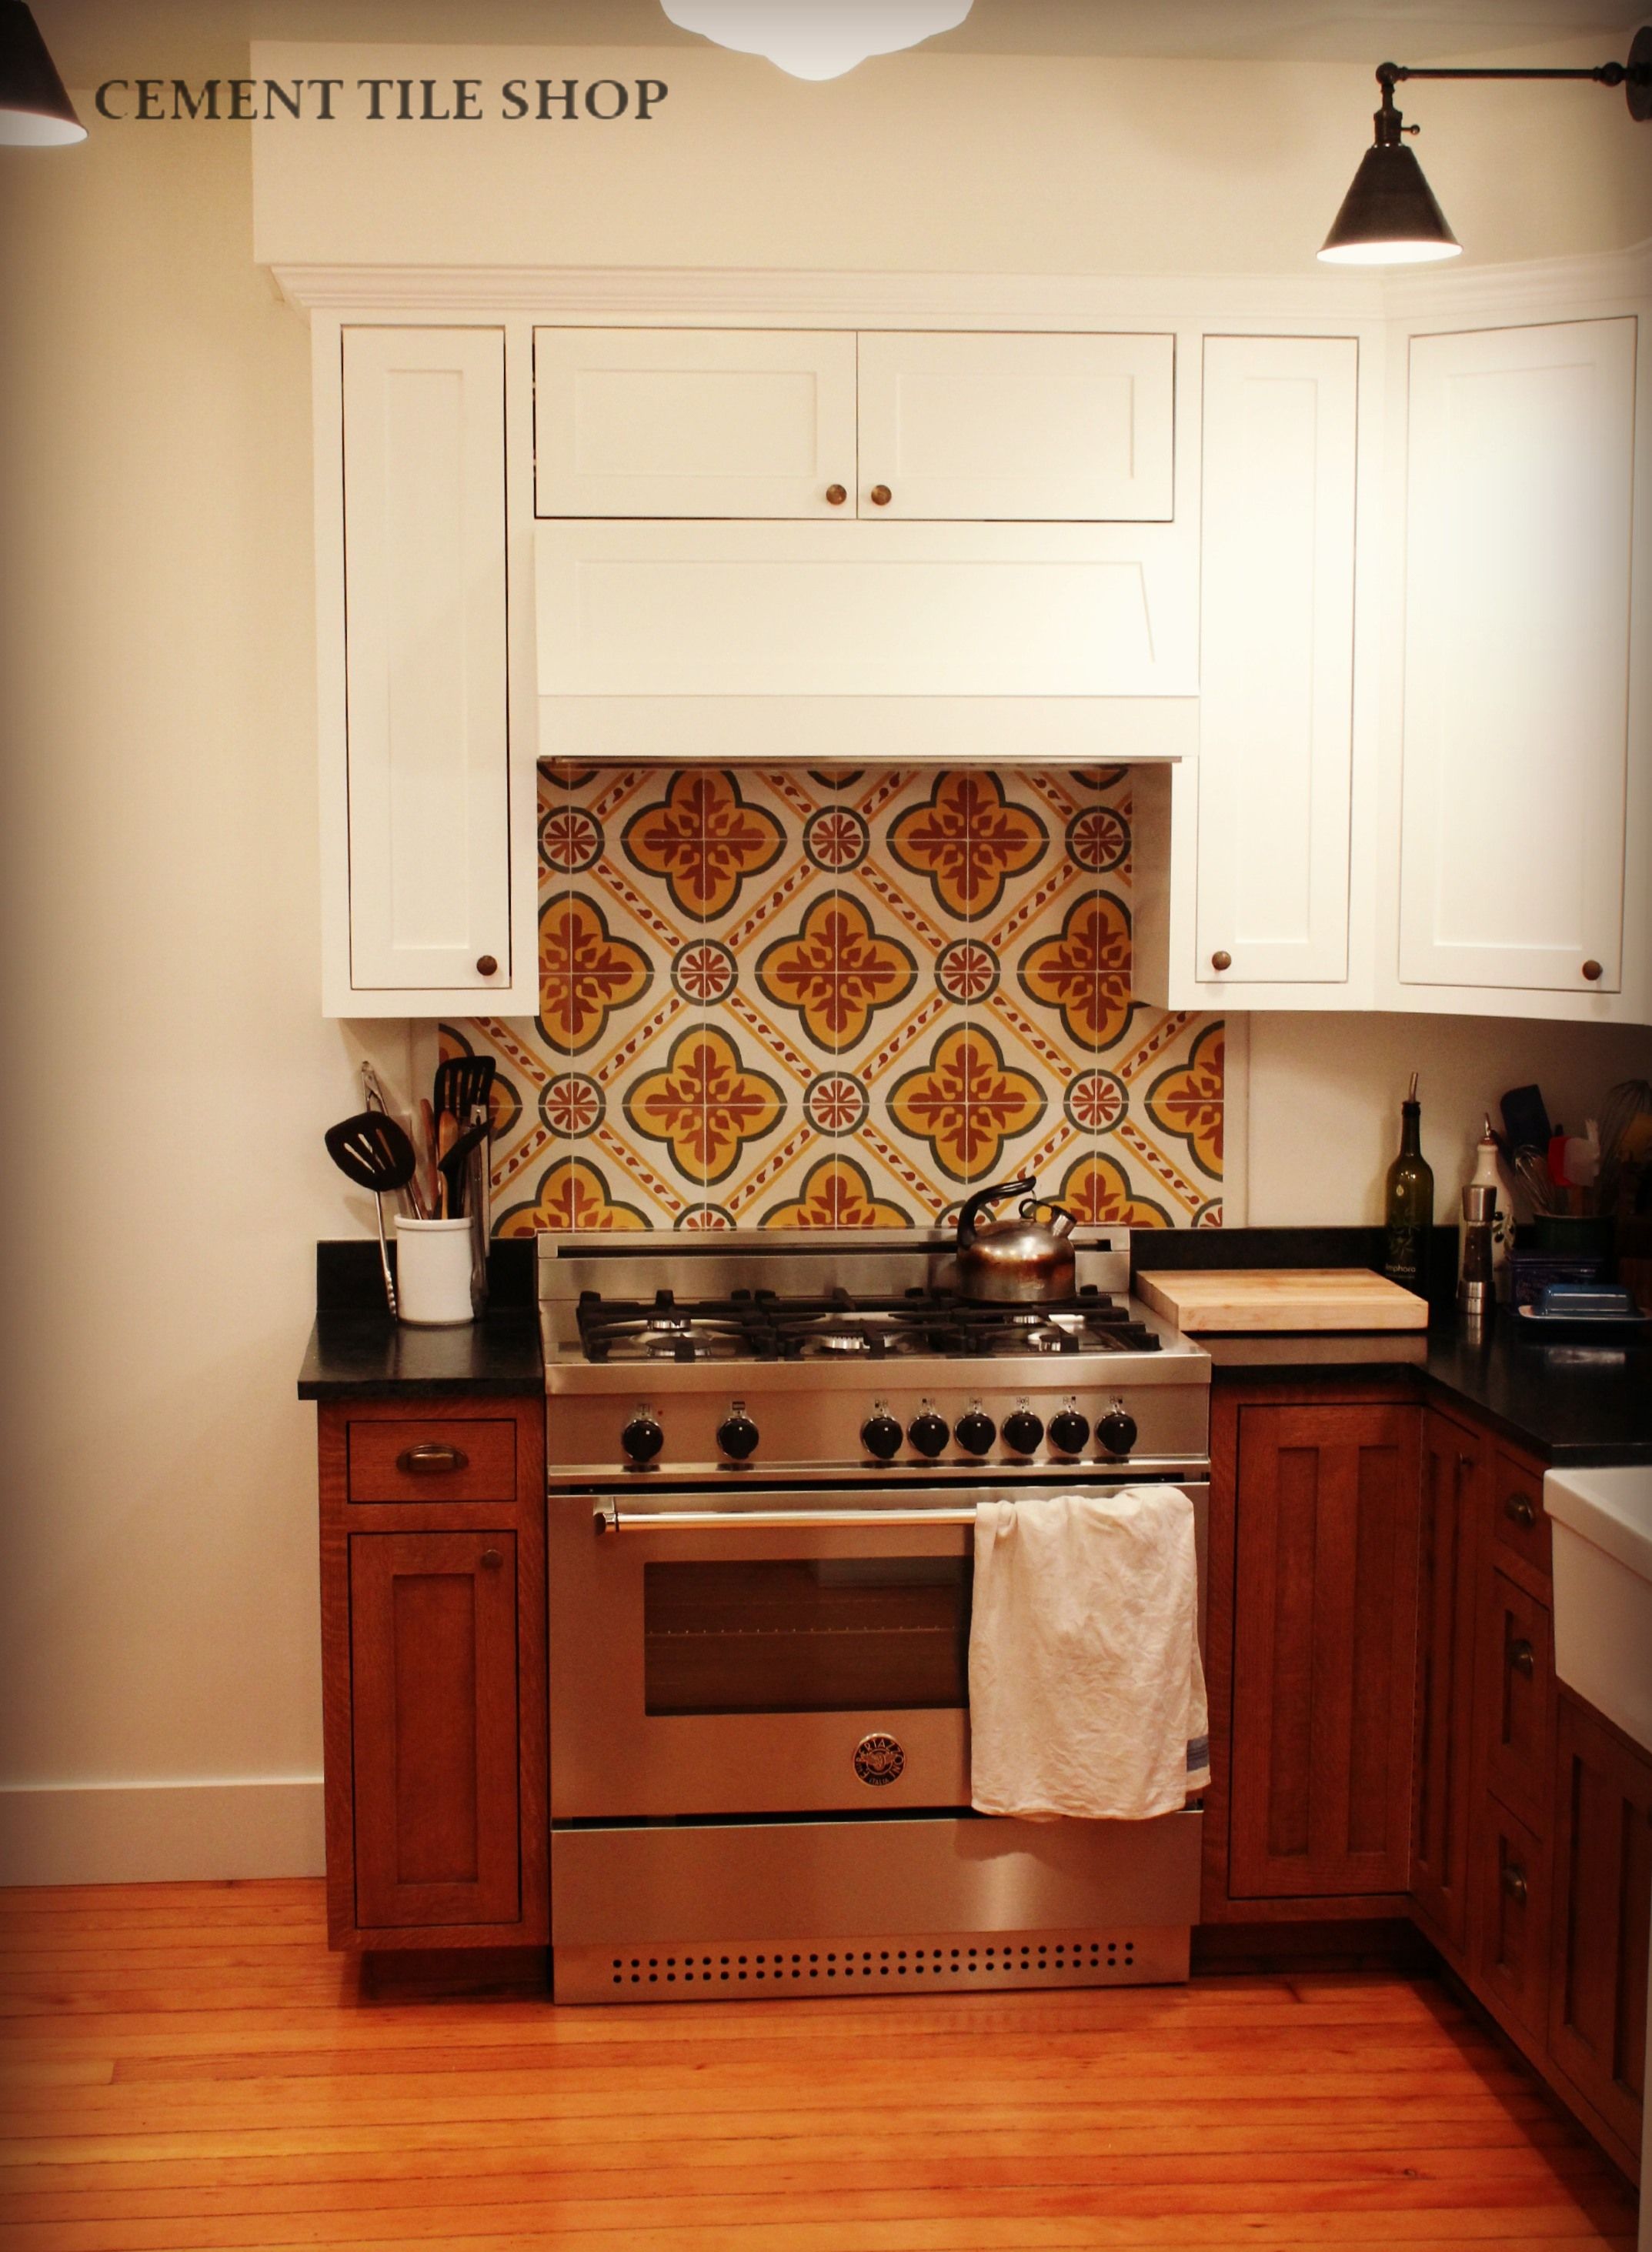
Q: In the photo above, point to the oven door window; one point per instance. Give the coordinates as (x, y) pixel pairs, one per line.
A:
(817, 1635)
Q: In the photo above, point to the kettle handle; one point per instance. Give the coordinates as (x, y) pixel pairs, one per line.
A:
(979, 1202)
(1062, 1220)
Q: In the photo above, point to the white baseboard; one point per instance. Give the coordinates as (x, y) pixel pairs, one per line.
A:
(151, 1832)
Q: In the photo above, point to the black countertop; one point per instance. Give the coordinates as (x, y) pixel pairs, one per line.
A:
(357, 1352)
(1570, 1403)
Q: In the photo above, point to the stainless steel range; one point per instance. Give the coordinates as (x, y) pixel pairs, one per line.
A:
(764, 1463)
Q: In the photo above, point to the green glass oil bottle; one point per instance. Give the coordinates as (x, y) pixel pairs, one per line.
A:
(1410, 1207)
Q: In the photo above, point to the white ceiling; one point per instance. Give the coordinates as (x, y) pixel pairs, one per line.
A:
(93, 39)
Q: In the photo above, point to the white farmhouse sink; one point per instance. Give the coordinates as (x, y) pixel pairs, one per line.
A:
(1603, 1633)
(1603, 1590)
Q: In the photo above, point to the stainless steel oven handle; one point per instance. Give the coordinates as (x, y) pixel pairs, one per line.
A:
(607, 1518)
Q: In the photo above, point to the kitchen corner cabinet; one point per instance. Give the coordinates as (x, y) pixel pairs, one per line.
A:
(1517, 663)
(1455, 1470)
(419, 788)
(434, 1674)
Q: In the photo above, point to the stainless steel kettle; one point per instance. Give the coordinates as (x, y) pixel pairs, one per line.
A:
(1021, 1261)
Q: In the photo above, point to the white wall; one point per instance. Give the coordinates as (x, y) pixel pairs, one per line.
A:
(1325, 1093)
(170, 1067)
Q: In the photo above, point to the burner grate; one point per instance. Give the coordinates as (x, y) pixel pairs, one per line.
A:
(759, 1326)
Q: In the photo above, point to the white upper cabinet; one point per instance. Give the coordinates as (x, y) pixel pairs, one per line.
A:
(1276, 658)
(1039, 428)
(1516, 658)
(928, 428)
(695, 422)
(425, 704)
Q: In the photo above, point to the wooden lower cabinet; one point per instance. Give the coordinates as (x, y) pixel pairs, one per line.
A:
(1509, 1967)
(1602, 1910)
(1323, 1650)
(1453, 1478)
(433, 1674)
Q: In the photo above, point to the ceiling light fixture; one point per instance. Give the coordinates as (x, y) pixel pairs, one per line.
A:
(1389, 216)
(35, 110)
(816, 38)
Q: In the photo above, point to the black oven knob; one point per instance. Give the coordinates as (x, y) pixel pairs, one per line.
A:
(642, 1439)
(881, 1437)
(737, 1436)
(928, 1432)
(1022, 1432)
(1117, 1432)
(1069, 1432)
(975, 1432)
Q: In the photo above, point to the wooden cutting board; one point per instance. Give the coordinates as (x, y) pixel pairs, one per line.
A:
(1281, 1298)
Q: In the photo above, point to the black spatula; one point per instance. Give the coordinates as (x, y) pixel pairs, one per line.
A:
(463, 1082)
(456, 1165)
(371, 1150)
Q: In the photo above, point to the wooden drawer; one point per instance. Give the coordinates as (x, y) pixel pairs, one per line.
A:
(441, 1459)
(1510, 1916)
(1519, 1525)
(1516, 1701)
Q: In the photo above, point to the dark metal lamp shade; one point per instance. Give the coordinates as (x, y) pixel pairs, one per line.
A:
(1389, 217)
(35, 111)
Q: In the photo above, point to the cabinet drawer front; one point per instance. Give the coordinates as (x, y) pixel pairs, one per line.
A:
(435, 1461)
(1516, 1700)
(1519, 1525)
(433, 1734)
(1511, 1915)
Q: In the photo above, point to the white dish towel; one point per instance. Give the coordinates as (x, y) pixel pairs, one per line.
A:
(1087, 1695)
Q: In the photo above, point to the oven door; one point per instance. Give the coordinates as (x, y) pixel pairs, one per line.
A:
(782, 1653)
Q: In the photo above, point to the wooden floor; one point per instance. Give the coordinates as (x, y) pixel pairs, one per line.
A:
(186, 2066)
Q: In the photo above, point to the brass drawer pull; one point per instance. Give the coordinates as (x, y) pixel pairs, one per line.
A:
(1514, 1883)
(491, 1560)
(1518, 1510)
(1222, 960)
(881, 496)
(1594, 972)
(1523, 1660)
(431, 1459)
(837, 495)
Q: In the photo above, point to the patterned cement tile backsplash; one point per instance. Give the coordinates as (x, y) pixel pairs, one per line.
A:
(796, 999)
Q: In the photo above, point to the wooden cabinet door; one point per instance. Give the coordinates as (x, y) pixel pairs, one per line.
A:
(1510, 1919)
(432, 1648)
(1453, 1472)
(1516, 1700)
(1517, 611)
(1026, 428)
(1324, 1652)
(664, 422)
(1276, 657)
(428, 829)
(1602, 1905)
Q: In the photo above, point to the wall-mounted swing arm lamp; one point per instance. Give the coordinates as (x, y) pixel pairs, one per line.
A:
(35, 109)
(1389, 216)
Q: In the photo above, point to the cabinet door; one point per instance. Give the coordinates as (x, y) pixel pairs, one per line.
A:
(693, 422)
(426, 690)
(1276, 664)
(1511, 1916)
(1453, 1486)
(433, 1646)
(1517, 659)
(1516, 1700)
(1038, 428)
(1324, 1652)
(1602, 1904)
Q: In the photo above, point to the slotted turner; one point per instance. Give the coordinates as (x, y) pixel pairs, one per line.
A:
(461, 1083)
(371, 1150)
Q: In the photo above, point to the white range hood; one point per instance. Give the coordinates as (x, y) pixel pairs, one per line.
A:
(899, 641)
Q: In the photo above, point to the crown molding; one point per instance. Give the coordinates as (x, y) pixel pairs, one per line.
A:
(669, 296)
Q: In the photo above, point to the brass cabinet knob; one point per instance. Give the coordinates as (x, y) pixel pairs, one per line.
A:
(1221, 959)
(1517, 1509)
(1514, 1883)
(1592, 971)
(486, 966)
(837, 495)
(430, 1459)
(881, 496)
(491, 1560)
(1523, 1659)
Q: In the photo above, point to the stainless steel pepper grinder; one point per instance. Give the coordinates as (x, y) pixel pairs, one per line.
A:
(1476, 1288)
